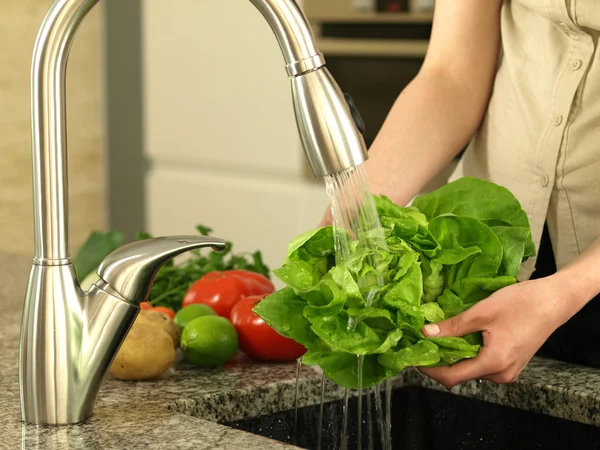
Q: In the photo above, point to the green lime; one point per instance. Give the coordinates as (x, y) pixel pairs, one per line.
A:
(209, 341)
(191, 312)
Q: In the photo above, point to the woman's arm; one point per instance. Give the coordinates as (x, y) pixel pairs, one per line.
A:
(440, 110)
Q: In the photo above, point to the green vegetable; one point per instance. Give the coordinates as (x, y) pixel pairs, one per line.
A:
(172, 280)
(93, 251)
(451, 249)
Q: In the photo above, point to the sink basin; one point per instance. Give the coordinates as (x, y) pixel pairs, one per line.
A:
(429, 419)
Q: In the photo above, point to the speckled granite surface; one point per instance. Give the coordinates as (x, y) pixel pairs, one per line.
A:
(180, 410)
(129, 415)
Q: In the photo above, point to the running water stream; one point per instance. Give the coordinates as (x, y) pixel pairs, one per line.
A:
(361, 359)
(295, 432)
(354, 217)
(320, 429)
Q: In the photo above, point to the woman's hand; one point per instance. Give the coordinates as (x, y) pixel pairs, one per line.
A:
(515, 323)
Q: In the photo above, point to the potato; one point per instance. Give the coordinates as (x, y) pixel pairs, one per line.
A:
(146, 352)
(161, 321)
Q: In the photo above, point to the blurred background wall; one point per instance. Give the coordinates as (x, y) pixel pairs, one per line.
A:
(179, 113)
(220, 137)
(19, 24)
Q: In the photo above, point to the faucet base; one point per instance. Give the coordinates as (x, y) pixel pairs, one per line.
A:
(68, 340)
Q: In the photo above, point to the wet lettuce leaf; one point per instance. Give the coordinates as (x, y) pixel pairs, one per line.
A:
(437, 258)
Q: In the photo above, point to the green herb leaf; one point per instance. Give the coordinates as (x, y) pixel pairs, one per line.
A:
(94, 250)
(204, 230)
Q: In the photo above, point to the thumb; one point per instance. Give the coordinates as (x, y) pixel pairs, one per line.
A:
(469, 321)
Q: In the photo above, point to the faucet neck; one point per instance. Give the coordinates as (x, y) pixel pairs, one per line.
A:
(49, 131)
(293, 33)
(48, 98)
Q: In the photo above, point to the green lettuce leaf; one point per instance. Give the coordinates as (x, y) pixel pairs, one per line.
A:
(283, 311)
(432, 312)
(433, 279)
(423, 353)
(490, 203)
(516, 248)
(342, 368)
(428, 262)
(476, 250)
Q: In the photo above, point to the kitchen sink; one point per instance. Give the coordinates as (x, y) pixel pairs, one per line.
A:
(429, 419)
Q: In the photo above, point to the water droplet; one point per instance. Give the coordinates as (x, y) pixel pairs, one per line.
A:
(335, 336)
(415, 308)
(286, 327)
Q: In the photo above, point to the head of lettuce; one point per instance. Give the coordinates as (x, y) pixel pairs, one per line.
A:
(452, 248)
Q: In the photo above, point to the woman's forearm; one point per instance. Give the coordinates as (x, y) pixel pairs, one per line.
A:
(582, 277)
(439, 111)
(430, 123)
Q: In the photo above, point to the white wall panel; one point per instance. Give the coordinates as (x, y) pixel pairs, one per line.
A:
(251, 213)
(216, 90)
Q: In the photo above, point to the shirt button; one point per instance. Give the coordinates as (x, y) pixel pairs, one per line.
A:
(558, 120)
(576, 64)
(544, 180)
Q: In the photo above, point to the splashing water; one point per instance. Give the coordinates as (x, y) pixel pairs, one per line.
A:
(388, 412)
(353, 211)
(380, 417)
(369, 421)
(356, 222)
(320, 428)
(295, 430)
(361, 359)
(355, 218)
(344, 442)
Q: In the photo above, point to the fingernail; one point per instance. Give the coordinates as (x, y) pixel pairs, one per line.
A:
(432, 329)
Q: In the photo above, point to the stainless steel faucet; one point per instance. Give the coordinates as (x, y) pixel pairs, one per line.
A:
(69, 337)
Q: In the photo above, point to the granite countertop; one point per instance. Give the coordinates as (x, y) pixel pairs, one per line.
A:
(182, 408)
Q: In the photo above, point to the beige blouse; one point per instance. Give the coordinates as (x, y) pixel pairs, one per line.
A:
(541, 135)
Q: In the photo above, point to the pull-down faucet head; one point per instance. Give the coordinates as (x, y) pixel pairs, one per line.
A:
(69, 337)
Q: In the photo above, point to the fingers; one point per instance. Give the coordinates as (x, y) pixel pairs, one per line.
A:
(489, 365)
(480, 367)
(472, 320)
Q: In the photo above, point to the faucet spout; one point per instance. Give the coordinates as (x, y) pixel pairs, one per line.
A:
(130, 269)
(68, 336)
(331, 140)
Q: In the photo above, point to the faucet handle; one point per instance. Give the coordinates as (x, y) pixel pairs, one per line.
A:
(358, 120)
(130, 269)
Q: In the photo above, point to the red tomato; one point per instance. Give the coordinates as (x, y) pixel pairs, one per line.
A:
(222, 290)
(257, 339)
(258, 278)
